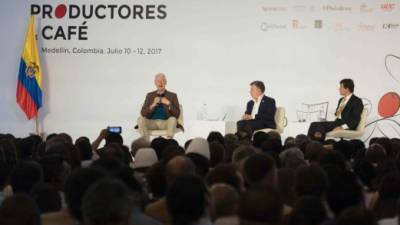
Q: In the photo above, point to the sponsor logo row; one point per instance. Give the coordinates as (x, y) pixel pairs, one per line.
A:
(363, 7)
(296, 24)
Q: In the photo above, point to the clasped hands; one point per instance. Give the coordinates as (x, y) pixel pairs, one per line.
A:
(160, 100)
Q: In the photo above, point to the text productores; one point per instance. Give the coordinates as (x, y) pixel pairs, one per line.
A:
(86, 12)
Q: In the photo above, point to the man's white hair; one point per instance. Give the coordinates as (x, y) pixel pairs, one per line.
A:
(160, 75)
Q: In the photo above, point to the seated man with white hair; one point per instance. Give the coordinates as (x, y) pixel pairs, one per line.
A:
(160, 110)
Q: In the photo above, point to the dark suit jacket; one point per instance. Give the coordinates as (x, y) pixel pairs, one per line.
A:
(266, 111)
(172, 110)
(351, 114)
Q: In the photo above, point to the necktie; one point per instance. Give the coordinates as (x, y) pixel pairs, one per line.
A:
(341, 107)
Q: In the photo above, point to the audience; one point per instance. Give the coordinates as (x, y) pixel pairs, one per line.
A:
(222, 180)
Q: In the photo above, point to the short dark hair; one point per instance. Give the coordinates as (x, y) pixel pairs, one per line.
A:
(313, 151)
(201, 163)
(108, 201)
(343, 192)
(348, 84)
(67, 150)
(54, 169)
(217, 151)
(333, 157)
(76, 186)
(19, 209)
(311, 180)
(25, 175)
(225, 173)
(225, 200)
(108, 164)
(10, 152)
(84, 147)
(261, 205)
(365, 171)
(186, 199)
(156, 179)
(375, 153)
(116, 151)
(259, 138)
(231, 143)
(47, 197)
(242, 152)
(26, 148)
(215, 136)
(308, 210)
(346, 148)
(171, 151)
(257, 167)
(385, 142)
(259, 84)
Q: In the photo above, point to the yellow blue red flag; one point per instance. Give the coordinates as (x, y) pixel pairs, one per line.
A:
(29, 86)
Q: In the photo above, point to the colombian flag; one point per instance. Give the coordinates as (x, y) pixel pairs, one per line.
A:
(29, 86)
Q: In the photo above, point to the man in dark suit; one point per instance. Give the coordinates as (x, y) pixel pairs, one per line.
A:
(160, 109)
(348, 113)
(260, 111)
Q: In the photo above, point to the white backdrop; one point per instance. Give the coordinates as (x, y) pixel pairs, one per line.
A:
(210, 51)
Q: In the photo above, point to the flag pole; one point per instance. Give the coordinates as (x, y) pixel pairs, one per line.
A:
(37, 125)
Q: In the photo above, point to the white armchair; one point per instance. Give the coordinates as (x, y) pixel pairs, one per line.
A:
(279, 121)
(351, 134)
